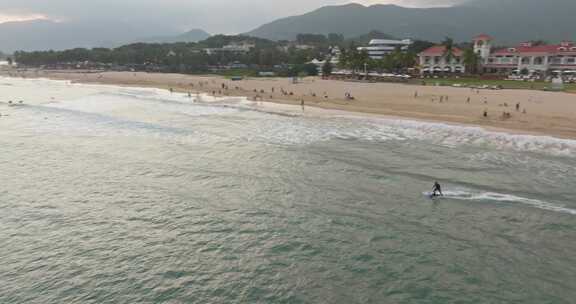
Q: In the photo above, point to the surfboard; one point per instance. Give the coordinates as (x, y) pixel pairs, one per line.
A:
(431, 195)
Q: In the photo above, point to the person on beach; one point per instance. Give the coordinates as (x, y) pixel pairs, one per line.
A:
(518, 107)
(437, 190)
(302, 103)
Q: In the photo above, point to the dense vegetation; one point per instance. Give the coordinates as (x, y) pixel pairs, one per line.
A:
(178, 57)
(283, 57)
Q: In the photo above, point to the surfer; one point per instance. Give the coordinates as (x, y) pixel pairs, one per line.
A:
(437, 190)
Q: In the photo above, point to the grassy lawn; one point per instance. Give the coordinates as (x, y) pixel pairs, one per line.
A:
(507, 84)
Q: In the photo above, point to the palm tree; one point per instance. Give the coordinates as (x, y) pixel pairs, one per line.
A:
(471, 61)
(343, 59)
(386, 63)
(408, 60)
(448, 49)
(397, 58)
(361, 61)
(349, 58)
(327, 67)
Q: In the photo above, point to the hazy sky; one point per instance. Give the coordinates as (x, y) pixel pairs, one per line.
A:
(215, 16)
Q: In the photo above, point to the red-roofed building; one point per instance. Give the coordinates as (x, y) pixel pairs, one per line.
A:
(526, 57)
(533, 58)
(436, 60)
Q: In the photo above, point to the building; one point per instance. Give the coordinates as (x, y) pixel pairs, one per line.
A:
(482, 47)
(320, 63)
(303, 47)
(296, 46)
(234, 47)
(525, 58)
(528, 58)
(435, 60)
(239, 47)
(378, 48)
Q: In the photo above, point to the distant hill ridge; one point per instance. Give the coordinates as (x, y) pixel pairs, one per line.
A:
(506, 20)
(50, 35)
(194, 35)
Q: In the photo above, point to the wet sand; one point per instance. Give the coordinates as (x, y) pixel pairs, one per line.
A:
(540, 113)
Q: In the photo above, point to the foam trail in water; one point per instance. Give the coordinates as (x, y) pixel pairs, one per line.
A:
(507, 198)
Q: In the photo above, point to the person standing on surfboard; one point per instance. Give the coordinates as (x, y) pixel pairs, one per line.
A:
(437, 190)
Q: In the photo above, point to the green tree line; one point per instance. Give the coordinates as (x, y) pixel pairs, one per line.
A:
(265, 55)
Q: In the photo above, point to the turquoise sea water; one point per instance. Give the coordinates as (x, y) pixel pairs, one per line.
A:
(119, 195)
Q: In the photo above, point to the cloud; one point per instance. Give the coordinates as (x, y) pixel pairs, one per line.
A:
(12, 17)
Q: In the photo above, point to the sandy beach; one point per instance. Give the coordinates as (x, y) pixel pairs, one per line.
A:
(539, 112)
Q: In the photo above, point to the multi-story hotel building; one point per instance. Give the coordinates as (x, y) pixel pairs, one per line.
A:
(526, 58)
(378, 48)
(435, 60)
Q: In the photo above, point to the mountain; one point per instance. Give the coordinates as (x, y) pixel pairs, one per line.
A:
(194, 35)
(50, 35)
(506, 20)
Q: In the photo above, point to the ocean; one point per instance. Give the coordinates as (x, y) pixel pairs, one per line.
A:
(136, 195)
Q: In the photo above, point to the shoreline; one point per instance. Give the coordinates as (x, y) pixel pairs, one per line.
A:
(548, 113)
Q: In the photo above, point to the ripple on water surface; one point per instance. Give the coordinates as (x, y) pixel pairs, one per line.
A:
(115, 195)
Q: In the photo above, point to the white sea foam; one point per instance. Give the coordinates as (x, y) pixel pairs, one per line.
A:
(457, 135)
(288, 130)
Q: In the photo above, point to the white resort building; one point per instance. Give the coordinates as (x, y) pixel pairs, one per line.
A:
(378, 48)
(526, 58)
(234, 47)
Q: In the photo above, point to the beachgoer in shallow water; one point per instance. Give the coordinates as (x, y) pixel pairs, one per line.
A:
(437, 190)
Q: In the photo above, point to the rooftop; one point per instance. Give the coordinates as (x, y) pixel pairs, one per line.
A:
(390, 41)
(564, 47)
(439, 50)
(483, 37)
